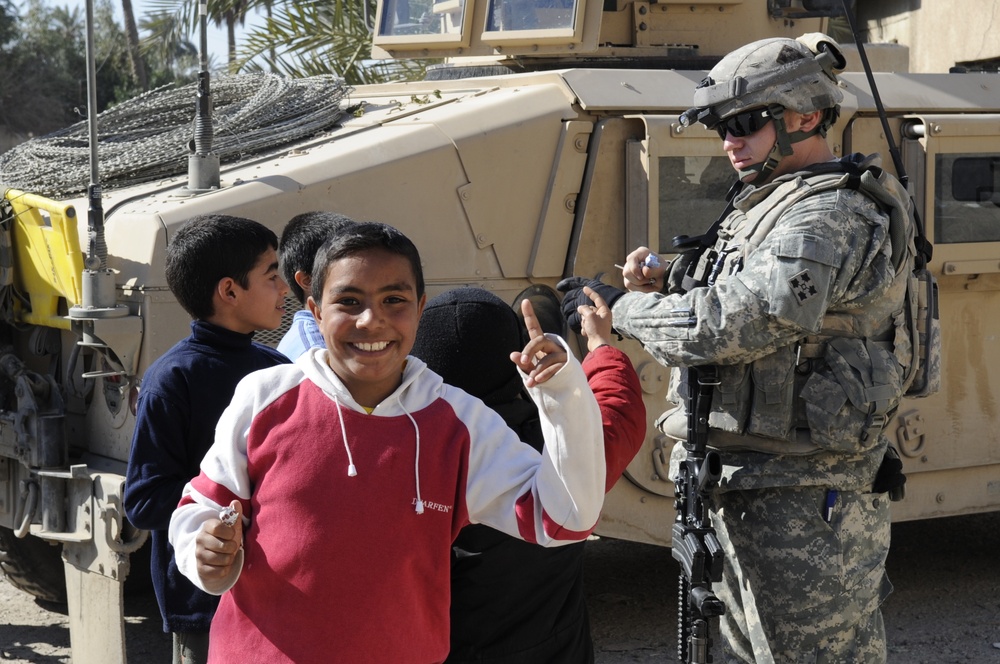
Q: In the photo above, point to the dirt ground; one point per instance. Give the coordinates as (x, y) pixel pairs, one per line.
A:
(945, 609)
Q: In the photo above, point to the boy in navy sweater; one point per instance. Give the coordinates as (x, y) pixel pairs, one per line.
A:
(224, 272)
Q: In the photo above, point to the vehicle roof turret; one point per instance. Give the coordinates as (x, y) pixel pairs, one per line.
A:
(486, 36)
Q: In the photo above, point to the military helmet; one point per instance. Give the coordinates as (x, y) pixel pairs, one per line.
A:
(775, 74)
(797, 74)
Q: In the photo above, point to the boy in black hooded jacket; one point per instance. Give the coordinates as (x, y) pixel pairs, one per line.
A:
(513, 601)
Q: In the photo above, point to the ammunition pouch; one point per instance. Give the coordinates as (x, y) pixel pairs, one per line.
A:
(828, 395)
(850, 397)
(679, 277)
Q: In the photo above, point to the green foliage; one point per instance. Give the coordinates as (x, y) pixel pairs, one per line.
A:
(310, 37)
(8, 23)
(298, 37)
(165, 43)
(228, 13)
(43, 79)
(43, 84)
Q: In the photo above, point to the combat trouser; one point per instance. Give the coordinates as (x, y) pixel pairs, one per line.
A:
(804, 575)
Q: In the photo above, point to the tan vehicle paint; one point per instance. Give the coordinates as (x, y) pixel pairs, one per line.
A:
(560, 160)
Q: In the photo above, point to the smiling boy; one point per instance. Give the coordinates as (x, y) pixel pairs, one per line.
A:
(224, 272)
(354, 469)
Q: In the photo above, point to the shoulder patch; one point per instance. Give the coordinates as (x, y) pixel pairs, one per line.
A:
(803, 287)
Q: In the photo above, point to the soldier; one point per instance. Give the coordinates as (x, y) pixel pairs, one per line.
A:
(796, 296)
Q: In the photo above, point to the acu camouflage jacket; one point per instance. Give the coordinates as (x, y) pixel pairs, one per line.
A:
(806, 323)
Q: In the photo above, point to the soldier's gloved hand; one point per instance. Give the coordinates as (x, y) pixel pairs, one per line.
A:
(890, 478)
(574, 297)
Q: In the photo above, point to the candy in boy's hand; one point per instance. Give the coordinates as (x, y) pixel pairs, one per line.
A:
(228, 515)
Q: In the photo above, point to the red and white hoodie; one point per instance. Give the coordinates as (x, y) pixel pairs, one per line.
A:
(350, 516)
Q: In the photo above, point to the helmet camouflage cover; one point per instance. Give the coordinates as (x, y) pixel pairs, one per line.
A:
(797, 74)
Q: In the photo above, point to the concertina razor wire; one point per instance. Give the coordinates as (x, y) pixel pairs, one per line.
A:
(147, 138)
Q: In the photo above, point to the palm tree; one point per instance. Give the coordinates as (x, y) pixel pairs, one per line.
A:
(230, 12)
(220, 12)
(168, 49)
(298, 38)
(312, 37)
(132, 46)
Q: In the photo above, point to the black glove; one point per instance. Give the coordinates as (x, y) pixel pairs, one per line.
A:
(890, 478)
(573, 297)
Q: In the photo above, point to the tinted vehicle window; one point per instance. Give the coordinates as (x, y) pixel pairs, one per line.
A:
(692, 195)
(967, 198)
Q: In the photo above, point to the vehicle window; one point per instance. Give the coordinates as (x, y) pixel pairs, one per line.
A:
(692, 194)
(508, 15)
(422, 17)
(967, 198)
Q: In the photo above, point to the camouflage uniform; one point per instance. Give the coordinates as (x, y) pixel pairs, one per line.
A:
(805, 324)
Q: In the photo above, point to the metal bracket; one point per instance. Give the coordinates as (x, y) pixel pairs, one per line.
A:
(910, 434)
(98, 537)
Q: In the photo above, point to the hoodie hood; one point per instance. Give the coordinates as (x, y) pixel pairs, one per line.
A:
(314, 365)
(402, 401)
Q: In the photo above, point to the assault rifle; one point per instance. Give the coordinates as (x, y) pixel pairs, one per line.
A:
(695, 546)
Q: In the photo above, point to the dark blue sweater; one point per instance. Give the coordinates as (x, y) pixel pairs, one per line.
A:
(182, 396)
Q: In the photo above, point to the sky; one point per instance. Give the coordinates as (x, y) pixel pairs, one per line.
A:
(216, 36)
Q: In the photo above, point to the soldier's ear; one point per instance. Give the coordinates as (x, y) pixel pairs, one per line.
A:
(806, 121)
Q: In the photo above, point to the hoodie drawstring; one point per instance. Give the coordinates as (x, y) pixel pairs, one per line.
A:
(351, 470)
(416, 460)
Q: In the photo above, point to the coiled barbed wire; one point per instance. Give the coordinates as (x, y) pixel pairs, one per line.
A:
(147, 137)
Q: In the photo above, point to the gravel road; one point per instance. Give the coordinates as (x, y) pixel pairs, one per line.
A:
(945, 609)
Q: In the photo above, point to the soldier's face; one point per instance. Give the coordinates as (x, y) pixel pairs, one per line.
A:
(746, 151)
(753, 147)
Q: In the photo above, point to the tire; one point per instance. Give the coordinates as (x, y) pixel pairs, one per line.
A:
(36, 567)
(33, 565)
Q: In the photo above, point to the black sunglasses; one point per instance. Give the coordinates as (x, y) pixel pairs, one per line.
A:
(743, 124)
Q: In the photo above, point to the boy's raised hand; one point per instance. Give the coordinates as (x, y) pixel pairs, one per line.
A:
(217, 544)
(595, 321)
(541, 358)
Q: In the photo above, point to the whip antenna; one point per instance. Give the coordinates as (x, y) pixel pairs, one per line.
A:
(203, 164)
(98, 284)
(924, 248)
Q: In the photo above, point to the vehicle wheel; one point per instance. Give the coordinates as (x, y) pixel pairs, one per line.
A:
(36, 567)
(33, 565)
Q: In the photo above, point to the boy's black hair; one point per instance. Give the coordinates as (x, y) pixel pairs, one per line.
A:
(359, 237)
(206, 250)
(301, 240)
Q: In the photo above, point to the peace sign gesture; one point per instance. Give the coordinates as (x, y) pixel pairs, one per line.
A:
(542, 357)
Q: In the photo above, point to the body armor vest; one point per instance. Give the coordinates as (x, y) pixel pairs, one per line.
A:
(836, 389)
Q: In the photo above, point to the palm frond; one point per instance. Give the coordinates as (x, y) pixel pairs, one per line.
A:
(312, 37)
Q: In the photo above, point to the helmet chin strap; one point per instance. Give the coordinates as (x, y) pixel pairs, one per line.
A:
(782, 148)
(763, 169)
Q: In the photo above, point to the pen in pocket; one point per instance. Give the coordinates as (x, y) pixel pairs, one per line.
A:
(831, 500)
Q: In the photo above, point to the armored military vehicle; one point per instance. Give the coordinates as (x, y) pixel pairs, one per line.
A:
(544, 142)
